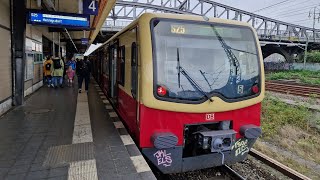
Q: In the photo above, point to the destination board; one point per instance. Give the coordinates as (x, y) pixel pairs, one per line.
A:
(59, 19)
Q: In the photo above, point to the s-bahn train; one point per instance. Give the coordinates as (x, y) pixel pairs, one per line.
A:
(189, 88)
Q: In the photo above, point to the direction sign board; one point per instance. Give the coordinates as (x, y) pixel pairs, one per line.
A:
(58, 19)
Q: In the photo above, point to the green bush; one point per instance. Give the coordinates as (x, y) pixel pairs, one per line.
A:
(312, 57)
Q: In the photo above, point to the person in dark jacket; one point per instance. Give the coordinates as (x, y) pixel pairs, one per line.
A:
(83, 73)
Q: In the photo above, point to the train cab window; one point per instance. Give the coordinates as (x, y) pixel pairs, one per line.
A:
(222, 61)
(134, 70)
(122, 64)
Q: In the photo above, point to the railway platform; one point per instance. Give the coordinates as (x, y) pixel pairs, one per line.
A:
(60, 134)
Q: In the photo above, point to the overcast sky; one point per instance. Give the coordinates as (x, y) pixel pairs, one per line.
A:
(294, 11)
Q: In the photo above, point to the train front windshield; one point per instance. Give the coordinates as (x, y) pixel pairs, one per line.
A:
(194, 62)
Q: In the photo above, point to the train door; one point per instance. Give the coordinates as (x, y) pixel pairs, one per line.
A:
(113, 72)
(134, 78)
(101, 63)
(98, 67)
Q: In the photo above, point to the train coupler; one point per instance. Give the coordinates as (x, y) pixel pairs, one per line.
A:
(216, 141)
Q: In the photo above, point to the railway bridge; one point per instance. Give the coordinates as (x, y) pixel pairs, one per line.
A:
(275, 36)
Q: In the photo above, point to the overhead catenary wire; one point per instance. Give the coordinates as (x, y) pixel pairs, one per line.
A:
(306, 8)
(290, 7)
(293, 12)
(270, 6)
(301, 20)
(288, 15)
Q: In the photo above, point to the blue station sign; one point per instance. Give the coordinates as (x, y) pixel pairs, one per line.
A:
(84, 41)
(90, 7)
(56, 19)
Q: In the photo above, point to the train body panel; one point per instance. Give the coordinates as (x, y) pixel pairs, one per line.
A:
(154, 120)
(185, 97)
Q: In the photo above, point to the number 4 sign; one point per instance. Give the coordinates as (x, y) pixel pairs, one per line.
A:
(90, 7)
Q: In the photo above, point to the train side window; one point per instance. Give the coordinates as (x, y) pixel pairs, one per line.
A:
(134, 70)
(122, 63)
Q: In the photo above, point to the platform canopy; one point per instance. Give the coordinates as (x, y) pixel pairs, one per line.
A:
(82, 38)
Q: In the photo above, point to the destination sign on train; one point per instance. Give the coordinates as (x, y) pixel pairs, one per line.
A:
(204, 30)
(59, 19)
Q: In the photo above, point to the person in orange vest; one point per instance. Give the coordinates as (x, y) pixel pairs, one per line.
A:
(47, 71)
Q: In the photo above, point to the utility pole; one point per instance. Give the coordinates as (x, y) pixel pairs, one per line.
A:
(316, 15)
(305, 54)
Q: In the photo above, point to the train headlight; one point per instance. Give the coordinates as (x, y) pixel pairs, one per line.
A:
(205, 143)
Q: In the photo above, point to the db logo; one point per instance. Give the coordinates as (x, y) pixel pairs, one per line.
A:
(210, 117)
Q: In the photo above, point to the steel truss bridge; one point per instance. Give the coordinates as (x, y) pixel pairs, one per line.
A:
(268, 29)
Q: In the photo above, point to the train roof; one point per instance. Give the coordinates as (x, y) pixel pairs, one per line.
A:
(176, 16)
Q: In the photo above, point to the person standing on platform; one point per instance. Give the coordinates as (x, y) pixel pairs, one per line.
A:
(72, 63)
(83, 72)
(57, 72)
(70, 73)
(64, 70)
(47, 70)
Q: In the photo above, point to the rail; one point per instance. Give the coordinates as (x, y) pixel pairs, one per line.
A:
(293, 88)
(232, 173)
(278, 166)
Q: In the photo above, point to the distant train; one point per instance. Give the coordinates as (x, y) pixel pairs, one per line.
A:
(189, 88)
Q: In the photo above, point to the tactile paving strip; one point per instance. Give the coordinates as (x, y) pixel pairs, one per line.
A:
(63, 155)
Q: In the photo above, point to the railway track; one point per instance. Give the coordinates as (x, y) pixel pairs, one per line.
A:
(228, 172)
(278, 166)
(293, 88)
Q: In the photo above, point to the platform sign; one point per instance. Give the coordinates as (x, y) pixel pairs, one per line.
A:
(84, 41)
(90, 7)
(56, 19)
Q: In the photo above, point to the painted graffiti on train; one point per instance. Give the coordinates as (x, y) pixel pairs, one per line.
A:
(163, 158)
(241, 147)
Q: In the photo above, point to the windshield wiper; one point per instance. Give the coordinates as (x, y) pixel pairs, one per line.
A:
(205, 78)
(232, 58)
(227, 46)
(178, 67)
(186, 74)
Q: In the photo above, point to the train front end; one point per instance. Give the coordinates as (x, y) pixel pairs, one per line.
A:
(203, 83)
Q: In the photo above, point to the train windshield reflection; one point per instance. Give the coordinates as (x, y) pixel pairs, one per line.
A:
(221, 59)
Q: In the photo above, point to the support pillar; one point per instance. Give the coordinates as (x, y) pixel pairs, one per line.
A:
(18, 29)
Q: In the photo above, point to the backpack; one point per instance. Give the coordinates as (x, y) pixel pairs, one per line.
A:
(48, 66)
(84, 68)
(57, 64)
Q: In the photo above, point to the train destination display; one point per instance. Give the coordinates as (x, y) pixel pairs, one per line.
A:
(59, 19)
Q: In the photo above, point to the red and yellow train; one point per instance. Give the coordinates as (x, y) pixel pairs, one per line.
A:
(189, 88)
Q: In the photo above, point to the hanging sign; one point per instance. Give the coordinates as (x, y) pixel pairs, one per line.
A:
(84, 41)
(59, 19)
(90, 7)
